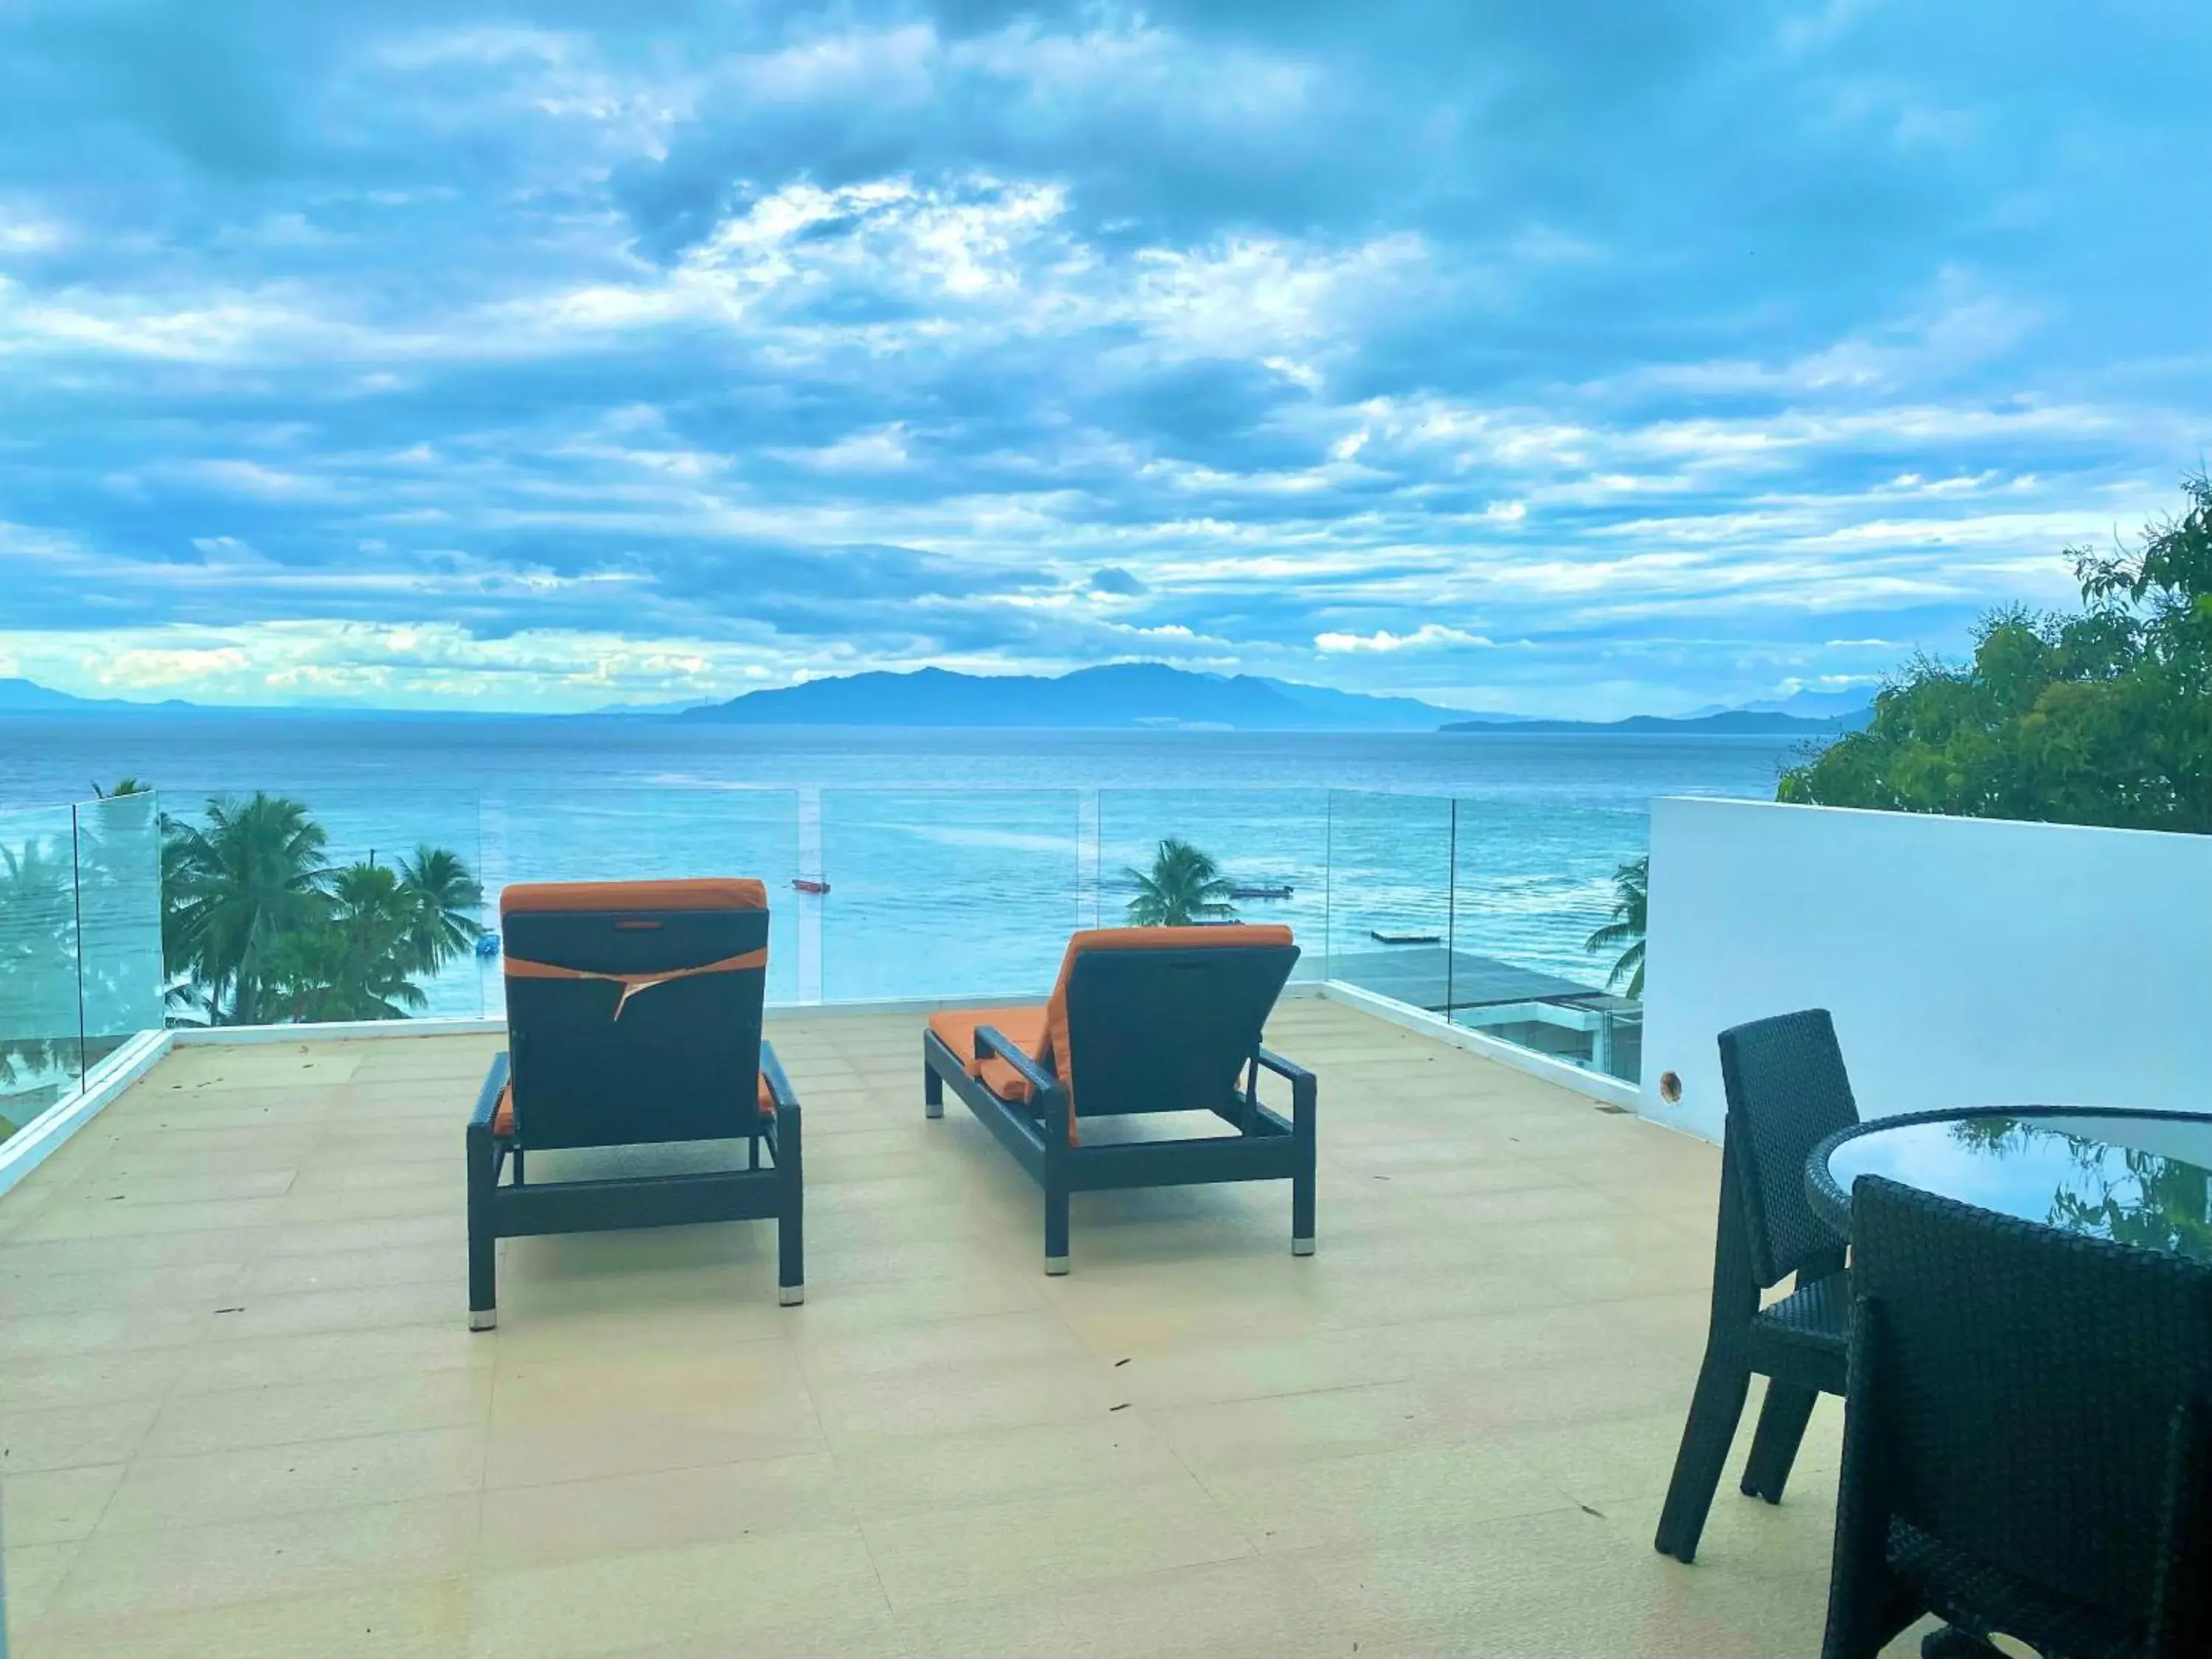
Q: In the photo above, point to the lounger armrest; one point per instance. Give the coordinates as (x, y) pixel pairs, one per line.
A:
(779, 1085)
(495, 1085)
(991, 1041)
(1288, 1070)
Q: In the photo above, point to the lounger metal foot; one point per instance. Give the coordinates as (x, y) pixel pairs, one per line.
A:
(484, 1319)
(934, 1109)
(791, 1295)
(1055, 1264)
(1302, 1246)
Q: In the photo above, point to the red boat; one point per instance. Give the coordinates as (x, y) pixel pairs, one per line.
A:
(809, 884)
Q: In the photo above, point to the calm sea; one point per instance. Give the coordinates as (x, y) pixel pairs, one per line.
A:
(958, 860)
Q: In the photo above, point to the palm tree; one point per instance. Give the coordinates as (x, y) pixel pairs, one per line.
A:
(1184, 886)
(355, 963)
(231, 889)
(443, 899)
(1631, 896)
(124, 786)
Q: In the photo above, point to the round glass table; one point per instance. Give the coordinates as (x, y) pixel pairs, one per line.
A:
(2137, 1177)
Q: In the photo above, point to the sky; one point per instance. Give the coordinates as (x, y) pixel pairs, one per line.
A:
(1582, 358)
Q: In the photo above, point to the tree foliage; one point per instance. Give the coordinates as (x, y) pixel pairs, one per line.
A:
(2103, 716)
(1184, 886)
(1624, 934)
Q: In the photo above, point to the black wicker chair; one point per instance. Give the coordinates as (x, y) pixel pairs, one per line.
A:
(2027, 1440)
(1787, 1091)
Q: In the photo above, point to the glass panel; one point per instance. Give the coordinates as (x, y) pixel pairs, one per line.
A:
(947, 893)
(1389, 894)
(41, 1031)
(1533, 886)
(627, 835)
(1269, 845)
(118, 860)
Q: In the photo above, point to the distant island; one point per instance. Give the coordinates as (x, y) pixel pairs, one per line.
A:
(1118, 696)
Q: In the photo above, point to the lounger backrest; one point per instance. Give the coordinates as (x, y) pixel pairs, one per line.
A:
(634, 1009)
(1149, 1020)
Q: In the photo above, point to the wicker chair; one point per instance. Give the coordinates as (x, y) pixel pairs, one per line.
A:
(1787, 1091)
(2028, 1440)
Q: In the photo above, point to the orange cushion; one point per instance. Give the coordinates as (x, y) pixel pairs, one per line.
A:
(502, 1116)
(701, 893)
(1024, 1027)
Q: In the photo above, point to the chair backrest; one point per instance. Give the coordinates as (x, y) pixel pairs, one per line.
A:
(633, 1010)
(2038, 1399)
(1787, 1092)
(1151, 1020)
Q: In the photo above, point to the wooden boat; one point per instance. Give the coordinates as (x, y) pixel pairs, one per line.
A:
(1381, 938)
(809, 884)
(1263, 890)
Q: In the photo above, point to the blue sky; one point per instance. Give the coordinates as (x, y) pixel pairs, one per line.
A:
(1581, 358)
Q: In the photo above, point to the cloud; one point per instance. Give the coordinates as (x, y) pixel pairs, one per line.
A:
(601, 352)
(1429, 637)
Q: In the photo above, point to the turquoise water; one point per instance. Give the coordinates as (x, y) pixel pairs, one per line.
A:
(958, 860)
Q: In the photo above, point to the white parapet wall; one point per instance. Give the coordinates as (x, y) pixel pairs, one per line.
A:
(1967, 962)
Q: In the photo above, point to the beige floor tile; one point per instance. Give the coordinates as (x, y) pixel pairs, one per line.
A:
(336, 1357)
(122, 1571)
(55, 1506)
(241, 1483)
(1406, 1493)
(574, 1519)
(892, 1475)
(193, 1423)
(749, 1594)
(948, 1399)
(72, 1436)
(428, 1620)
(34, 1572)
(1063, 1538)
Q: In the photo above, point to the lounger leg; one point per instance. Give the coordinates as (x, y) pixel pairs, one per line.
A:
(1303, 1110)
(1055, 1229)
(1723, 1384)
(933, 1091)
(1782, 1422)
(484, 1233)
(790, 1222)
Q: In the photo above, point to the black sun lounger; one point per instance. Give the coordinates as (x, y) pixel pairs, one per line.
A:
(1144, 1019)
(633, 1018)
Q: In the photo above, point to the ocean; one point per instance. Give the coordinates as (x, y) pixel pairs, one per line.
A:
(958, 860)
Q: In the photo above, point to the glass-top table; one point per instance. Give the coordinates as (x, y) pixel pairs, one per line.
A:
(2139, 1178)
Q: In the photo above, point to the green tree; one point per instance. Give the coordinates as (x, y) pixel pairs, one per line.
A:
(356, 960)
(1184, 886)
(443, 901)
(1624, 934)
(233, 889)
(124, 786)
(2103, 716)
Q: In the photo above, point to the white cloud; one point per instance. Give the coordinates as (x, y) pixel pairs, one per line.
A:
(1429, 636)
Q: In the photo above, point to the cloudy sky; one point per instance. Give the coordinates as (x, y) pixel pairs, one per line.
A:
(1580, 357)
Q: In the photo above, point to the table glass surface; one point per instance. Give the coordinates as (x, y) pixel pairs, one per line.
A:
(2141, 1180)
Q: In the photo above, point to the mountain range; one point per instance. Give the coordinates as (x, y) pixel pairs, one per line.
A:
(1115, 696)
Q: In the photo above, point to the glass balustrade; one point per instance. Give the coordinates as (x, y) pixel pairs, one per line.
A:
(1481, 911)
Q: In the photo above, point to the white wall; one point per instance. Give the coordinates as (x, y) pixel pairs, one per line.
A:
(1965, 961)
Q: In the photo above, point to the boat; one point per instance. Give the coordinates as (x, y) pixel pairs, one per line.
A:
(1263, 890)
(809, 884)
(487, 945)
(1381, 938)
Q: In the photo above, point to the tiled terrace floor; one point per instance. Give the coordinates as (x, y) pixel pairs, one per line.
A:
(243, 1417)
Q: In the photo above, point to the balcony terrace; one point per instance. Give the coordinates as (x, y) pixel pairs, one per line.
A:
(243, 1413)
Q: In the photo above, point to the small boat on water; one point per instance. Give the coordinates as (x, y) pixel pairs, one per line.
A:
(1263, 890)
(487, 945)
(809, 884)
(1381, 938)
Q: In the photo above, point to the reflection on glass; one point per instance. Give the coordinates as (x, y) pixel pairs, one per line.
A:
(41, 1026)
(947, 892)
(2099, 1188)
(119, 857)
(1389, 896)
